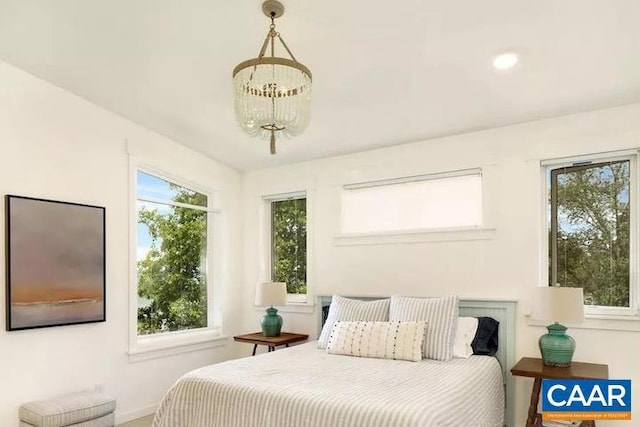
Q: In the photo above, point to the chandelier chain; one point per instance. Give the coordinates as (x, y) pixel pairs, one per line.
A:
(272, 34)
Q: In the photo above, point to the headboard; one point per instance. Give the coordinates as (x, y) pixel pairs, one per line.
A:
(504, 311)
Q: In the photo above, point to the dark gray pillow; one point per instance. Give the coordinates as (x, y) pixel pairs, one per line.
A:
(486, 340)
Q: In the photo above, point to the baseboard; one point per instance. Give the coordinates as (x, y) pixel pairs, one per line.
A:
(125, 417)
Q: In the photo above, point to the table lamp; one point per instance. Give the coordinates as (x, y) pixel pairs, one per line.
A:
(557, 304)
(270, 294)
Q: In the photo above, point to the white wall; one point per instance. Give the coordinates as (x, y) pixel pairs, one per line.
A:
(505, 267)
(55, 145)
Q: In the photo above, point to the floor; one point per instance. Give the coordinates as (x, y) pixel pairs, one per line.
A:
(140, 422)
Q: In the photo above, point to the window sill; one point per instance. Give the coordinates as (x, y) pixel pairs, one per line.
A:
(172, 343)
(306, 308)
(415, 236)
(627, 323)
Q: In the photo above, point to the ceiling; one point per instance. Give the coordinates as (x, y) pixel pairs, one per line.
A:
(384, 72)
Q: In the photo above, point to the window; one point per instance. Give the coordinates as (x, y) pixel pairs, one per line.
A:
(172, 225)
(288, 244)
(451, 200)
(591, 232)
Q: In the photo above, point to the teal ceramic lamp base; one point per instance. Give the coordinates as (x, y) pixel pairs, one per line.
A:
(271, 323)
(557, 347)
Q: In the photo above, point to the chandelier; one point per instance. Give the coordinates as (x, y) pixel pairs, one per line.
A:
(272, 94)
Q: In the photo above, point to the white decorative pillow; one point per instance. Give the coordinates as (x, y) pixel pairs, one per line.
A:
(441, 315)
(382, 340)
(347, 309)
(465, 333)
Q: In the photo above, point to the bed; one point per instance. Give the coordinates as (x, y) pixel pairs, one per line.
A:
(305, 386)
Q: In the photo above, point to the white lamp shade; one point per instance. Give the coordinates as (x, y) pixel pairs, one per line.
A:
(556, 304)
(271, 293)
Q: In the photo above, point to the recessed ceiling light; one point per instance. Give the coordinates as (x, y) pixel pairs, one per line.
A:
(505, 61)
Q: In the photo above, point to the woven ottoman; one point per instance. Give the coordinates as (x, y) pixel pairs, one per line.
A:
(85, 409)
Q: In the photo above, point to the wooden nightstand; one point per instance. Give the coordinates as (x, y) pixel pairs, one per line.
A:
(534, 368)
(257, 339)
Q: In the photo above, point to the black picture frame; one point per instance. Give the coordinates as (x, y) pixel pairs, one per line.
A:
(55, 263)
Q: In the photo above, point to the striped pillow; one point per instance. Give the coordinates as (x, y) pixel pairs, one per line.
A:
(441, 315)
(382, 340)
(347, 309)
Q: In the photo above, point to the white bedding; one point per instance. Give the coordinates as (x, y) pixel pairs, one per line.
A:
(303, 386)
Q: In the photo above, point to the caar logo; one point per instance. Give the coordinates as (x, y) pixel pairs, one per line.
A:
(586, 399)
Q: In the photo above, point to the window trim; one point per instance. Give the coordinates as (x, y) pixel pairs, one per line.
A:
(593, 311)
(266, 231)
(413, 178)
(143, 347)
(457, 234)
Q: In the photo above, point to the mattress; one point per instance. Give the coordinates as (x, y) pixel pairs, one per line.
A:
(305, 386)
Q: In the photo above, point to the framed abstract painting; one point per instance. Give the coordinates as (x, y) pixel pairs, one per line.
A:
(55, 263)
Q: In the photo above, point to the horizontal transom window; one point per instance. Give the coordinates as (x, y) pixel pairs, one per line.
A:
(424, 202)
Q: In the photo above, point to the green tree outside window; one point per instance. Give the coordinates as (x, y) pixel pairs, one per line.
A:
(172, 286)
(590, 230)
(289, 244)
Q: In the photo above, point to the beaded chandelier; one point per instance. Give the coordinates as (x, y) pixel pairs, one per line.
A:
(272, 94)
